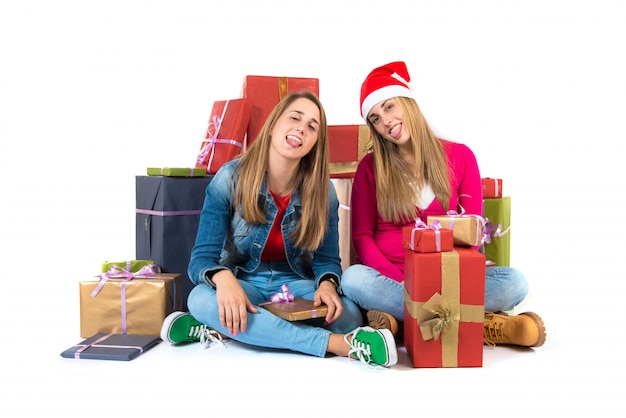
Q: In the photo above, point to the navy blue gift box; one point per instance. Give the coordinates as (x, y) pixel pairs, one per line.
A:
(167, 216)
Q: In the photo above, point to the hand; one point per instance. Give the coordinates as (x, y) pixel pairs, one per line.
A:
(327, 293)
(232, 302)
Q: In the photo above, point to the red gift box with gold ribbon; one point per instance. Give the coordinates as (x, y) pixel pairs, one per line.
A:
(444, 308)
(266, 91)
(347, 145)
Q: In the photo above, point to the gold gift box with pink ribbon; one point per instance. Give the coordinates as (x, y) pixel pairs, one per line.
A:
(444, 308)
(467, 229)
(131, 303)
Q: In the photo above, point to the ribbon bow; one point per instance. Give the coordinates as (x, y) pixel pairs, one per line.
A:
(493, 231)
(116, 272)
(434, 316)
(211, 137)
(284, 296)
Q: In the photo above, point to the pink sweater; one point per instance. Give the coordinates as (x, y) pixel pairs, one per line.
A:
(378, 242)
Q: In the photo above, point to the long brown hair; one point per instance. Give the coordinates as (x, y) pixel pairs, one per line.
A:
(397, 184)
(311, 180)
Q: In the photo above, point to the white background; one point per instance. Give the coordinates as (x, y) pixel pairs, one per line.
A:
(92, 93)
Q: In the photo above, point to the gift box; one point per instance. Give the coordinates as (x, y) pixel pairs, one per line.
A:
(297, 309)
(492, 188)
(128, 305)
(132, 266)
(176, 171)
(266, 91)
(427, 240)
(444, 308)
(225, 136)
(497, 245)
(122, 347)
(467, 230)
(347, 145)
(343, 187)
(167, 216)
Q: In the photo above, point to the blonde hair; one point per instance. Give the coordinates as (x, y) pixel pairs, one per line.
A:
(311, 180)
(397, 184)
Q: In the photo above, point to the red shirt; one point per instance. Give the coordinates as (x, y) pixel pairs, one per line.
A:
(275, 246)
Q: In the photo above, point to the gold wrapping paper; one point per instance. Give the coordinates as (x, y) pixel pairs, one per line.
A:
(467, 229)
(148, 300)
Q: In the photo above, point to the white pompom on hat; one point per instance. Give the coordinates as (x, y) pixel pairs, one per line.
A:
(385, 82)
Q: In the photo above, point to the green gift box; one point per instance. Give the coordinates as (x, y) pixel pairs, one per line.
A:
(498, 212)
(177, 171)
(132, 266)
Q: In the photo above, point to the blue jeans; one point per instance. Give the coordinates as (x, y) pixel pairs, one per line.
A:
(266, 329)
(505, 287)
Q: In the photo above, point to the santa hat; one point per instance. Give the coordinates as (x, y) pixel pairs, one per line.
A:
(390, 80)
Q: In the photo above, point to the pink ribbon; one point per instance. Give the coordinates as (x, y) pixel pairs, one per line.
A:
(211, 139)
(284, 296)
(116, 272)
(421, 225)
(493, 231)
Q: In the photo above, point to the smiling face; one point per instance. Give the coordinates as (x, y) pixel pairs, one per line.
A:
(296, 130)
(388, 120)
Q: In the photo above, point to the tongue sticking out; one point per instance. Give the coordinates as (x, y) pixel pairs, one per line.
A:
(293, 141)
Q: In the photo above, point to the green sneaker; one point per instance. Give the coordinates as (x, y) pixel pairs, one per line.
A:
(373, 346)
(181, 327)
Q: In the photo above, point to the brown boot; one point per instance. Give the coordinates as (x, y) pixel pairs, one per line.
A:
(525, 329)
(380, 319)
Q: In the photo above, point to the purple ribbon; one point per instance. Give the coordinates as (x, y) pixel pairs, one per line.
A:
(284, 296)
(211, 139)
(493, 231)
(116, 272)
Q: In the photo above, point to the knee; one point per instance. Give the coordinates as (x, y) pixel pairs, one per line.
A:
(351, 277)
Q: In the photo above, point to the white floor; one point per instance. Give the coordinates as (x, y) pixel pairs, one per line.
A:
(578, 370)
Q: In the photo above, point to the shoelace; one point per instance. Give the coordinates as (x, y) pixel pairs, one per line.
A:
(493, 332)
(359, 349)
(209, 336)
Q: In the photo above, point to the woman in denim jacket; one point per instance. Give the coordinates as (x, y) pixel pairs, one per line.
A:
(269, 220)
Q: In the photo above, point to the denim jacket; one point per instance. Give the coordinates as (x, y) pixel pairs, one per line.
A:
(226, 241)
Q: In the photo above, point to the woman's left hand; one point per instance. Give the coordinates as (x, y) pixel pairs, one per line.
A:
(327, 294)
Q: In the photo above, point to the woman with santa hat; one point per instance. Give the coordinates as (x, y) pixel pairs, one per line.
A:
(409, 175)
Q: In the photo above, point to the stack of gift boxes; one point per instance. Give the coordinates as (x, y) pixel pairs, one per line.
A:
(444, 281)
(133, 297)
(444, 273)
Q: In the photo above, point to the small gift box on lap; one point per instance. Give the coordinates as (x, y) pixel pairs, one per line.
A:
(225, 135)
(425, 238)
(444, 308)
(286, 306)
(266, 91)
(122, 302)
(347, 145)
